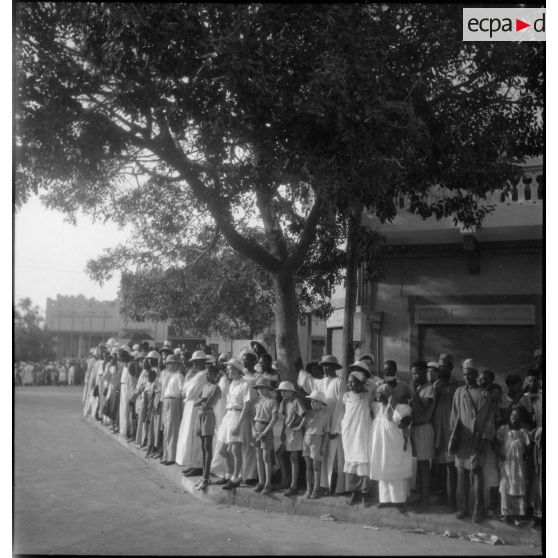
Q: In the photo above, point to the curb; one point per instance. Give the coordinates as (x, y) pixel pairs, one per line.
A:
(436, 522)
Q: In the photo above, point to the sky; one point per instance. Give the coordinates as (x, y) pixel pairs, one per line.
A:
(50, 254)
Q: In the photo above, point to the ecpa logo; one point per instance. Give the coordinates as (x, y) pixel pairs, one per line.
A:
(504, 24)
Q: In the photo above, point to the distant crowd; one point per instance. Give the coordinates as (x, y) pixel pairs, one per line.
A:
(60, 372)
(237, 421)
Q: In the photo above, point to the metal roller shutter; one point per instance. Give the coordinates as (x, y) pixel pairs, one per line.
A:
(502, 349)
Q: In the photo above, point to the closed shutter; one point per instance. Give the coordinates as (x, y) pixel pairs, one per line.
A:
(502, 349)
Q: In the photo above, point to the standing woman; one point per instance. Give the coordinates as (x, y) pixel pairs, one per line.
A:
(356, 435)
(230, 431)
(141, 409)
(391, 459)
(218, 464)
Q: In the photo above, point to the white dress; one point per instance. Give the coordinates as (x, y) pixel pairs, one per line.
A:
(333, 389)
(356, 433)
(125, 384)
(238, 394)
(249, 458)
(218, 465)
(389, 464)
(188, 448)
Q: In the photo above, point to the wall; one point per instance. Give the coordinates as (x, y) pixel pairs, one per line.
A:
(432, 276)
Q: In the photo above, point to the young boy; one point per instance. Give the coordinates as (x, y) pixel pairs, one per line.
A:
(294, 413)
(266, 411)
(211, 393)
(315, 441)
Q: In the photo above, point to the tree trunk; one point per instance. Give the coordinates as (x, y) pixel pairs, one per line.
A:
(286, 324)
(351, 287)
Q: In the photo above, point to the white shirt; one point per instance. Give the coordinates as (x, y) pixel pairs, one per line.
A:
(239, 393)
(174, 385)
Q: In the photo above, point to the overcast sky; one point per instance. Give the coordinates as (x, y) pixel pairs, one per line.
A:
(50, 255)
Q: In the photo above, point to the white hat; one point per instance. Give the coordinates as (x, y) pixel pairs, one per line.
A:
(178, 351)
(285, 386)
(167, 343)
(236, 364)
(433, 364)
(317, 396)
(359, 375)
(111, 342)
(360, 365)
(367, 355)
(198, 355)
(125, 348)
(248, 352)
(224, 356)
(469, 363)
(153, 354)
(136, 347)
(173, 358)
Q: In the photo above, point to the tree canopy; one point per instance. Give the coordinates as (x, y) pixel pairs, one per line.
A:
(266, 124)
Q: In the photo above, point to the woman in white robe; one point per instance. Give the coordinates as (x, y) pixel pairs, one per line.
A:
(391, 457)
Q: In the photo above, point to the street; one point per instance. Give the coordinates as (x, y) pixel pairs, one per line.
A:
(78, 492)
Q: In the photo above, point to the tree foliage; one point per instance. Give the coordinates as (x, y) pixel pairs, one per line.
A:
(266, 123)
(31, 341)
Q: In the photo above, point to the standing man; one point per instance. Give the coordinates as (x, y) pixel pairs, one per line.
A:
(188, 449)
(422, 431)
(172, 409)
(472, 424)
(444, 462)
(401, 392)
(333, 388)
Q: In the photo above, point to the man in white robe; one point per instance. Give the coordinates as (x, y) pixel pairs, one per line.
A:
(188, 449)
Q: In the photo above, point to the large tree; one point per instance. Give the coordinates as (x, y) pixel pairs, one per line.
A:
(274, 124)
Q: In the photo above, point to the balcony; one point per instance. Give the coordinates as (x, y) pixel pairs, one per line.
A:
(517, 215)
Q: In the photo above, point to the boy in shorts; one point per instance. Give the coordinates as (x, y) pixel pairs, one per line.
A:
(315, 441)
(211, 393)
(266, 411)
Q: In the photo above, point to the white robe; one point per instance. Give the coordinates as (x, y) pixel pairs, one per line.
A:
(333, 389)
(249, 458)
(218, 463)
(356, 433)
(126, 385)
(188, 448)
(388, 461)
(94, 380)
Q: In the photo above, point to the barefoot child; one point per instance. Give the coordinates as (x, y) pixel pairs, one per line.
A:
(513, 442)
(266, 410)
(211, 393)
(314, 443)
(294, 412)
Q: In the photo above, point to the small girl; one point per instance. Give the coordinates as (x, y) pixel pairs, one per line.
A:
(315, 440)
(211, 393)
(356, 427)
(513, 442)
(294, 413)
(266, 410)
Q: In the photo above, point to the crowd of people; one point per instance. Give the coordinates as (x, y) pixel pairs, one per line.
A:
(234, 421)
(60, 372)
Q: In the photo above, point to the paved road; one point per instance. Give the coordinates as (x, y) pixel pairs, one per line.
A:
(78, 492)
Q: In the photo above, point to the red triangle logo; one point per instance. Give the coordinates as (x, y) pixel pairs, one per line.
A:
(520, 25)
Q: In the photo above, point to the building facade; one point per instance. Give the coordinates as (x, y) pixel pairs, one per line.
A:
(474, 294)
